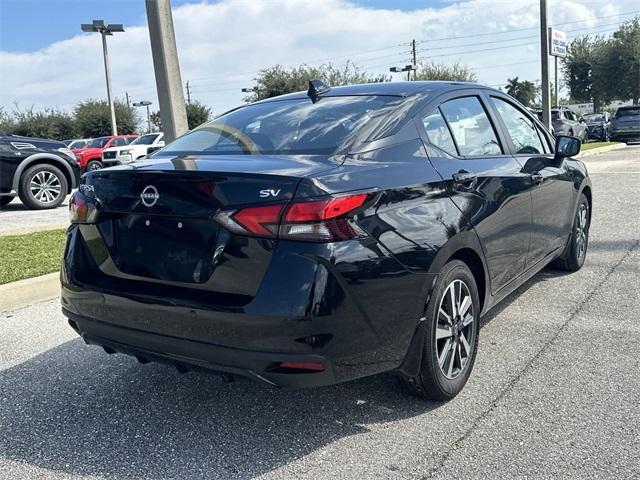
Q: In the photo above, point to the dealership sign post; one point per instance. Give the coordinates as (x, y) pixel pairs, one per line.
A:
(557, 48)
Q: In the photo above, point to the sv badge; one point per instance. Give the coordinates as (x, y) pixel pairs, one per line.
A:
(269, 193)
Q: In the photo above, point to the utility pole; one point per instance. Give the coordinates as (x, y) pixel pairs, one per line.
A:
(555, 85)
(127, 95)
(415, 58)
(188, 93)
(167, 69)
(544, 60)
(104, 30)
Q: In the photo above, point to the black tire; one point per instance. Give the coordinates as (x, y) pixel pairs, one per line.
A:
(432, 382)
(53, 193)
(94, 165)
(576, 251)
(4, 201)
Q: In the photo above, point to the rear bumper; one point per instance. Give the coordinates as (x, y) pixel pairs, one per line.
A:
(625, 135)
(357, 318)
(186, 354)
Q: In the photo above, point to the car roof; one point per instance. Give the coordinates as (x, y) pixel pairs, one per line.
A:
(400, 89)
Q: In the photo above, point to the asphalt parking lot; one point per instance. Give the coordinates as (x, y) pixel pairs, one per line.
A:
(15, 218)
(555, 391)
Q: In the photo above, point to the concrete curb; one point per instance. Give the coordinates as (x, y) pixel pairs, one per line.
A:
(599, 150)
(25, 292)
(34, 229)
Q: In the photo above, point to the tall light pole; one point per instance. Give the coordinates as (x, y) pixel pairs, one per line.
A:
(544, 61)
(104, 30)
(167, 70)
(145, 103)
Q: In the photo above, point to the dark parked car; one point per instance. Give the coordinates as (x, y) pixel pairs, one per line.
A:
(41, 172)
(315, 238)
(598, 125)
(625, 126)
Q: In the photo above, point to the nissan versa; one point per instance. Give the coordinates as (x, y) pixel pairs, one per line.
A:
(323, 236)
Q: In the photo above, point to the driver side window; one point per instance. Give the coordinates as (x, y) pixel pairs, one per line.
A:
(521, 128)
(471, 127)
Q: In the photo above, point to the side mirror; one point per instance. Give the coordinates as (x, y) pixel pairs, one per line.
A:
(567, 146)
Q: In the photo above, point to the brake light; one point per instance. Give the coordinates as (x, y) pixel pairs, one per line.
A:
(82, 209)
(324, 220)
(317, 221)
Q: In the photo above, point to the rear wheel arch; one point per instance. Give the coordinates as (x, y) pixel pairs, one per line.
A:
(466, 247)
(474, 261)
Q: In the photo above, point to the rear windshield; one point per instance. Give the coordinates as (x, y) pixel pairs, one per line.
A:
(596, 117)
(284, 127)
(627, 112)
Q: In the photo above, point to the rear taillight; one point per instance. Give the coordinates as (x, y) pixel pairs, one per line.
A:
(323, 220)
(82, 209)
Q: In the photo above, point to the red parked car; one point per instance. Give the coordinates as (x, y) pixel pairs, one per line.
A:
(90, 157)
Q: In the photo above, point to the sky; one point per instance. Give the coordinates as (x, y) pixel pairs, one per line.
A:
(46, 62)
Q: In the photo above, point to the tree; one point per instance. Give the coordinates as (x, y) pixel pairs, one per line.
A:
(603, 69)
(93, 118)
(197, 114)
(49, 123)
(624, 59)
(458, 72)
(524, 91)
(278, 80)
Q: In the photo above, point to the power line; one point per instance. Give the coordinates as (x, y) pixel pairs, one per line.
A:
(524, 29)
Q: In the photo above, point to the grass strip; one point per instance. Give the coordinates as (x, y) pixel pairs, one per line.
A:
(30, 255)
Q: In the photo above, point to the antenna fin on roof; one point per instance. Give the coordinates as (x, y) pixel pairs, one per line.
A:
(316, 88)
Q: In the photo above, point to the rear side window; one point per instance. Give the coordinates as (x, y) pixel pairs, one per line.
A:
(296, 126)
(521, 128)
(628, 112)
(471, 127)
(438, 133)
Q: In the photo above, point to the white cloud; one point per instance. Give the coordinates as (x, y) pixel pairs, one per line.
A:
(222, 45)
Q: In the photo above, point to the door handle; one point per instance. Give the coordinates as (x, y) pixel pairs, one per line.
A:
(463, 177)
(536, 178)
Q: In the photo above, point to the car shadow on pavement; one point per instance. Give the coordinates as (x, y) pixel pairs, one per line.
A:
(73, 409)
(543, 275)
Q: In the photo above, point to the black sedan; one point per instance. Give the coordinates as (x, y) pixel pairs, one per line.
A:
(327, 235)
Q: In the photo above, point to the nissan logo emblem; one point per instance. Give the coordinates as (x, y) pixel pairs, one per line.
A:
(149, 196)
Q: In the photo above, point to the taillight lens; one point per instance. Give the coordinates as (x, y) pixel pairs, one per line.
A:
(323, 220)
(82, 209)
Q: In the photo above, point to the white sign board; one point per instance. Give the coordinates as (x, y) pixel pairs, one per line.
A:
(558, 43)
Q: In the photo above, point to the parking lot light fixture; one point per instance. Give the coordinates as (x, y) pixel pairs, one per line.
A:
(98, 26)
(145, 103)
(406, 68)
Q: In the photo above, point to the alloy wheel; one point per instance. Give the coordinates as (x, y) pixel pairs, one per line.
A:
(454, 329)
(581, 231)
(45, 187)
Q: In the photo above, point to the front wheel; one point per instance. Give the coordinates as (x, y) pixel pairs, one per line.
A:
(94, 165)
(451, 339)
(576, 251)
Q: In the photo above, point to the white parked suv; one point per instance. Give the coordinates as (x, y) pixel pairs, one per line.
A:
(134, 151)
